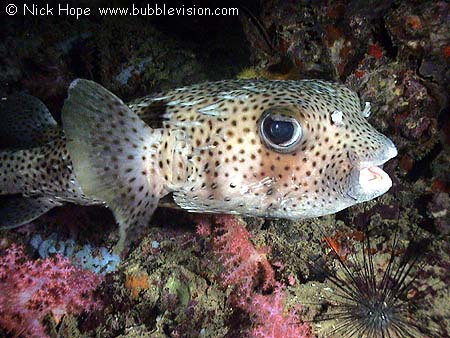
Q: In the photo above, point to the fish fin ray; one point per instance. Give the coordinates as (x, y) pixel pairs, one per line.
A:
(111, 150)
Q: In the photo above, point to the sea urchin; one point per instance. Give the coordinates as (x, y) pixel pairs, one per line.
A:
(373, 301)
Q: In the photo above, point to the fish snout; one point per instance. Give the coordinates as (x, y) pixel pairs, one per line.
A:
(391, 150)
(368, 179)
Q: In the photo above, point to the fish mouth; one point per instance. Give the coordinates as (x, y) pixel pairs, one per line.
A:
(368, 179)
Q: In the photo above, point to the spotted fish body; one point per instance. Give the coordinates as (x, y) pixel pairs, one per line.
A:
(207, 145)
(233, 171)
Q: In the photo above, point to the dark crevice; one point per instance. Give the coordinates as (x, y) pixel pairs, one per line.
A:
(422, 167)
(382, 36)
(425, 222)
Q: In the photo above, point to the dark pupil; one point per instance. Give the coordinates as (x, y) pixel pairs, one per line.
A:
(278, 131)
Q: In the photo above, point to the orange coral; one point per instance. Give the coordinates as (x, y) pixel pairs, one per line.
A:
(414, 22)
(360, 73)
(339, 245)
(136, 282)
(406, 163)
(439, 186)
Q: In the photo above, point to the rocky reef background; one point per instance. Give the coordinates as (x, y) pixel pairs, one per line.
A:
(395, 54)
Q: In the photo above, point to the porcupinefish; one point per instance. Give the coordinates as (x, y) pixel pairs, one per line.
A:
(282, 149)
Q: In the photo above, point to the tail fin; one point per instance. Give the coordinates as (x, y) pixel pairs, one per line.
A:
(26, 122)
(113, 153)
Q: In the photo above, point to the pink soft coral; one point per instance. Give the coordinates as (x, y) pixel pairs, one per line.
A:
(270, 319)
(249, 271)
(29, 290)
(244, 264)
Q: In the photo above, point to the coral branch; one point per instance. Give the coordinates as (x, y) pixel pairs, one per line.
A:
(270, 320)
(244, 264)
(29, 290)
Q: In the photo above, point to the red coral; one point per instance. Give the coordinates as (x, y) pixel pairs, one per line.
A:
(447, 51)
(29, 290)
(376, 51)
(247, 269)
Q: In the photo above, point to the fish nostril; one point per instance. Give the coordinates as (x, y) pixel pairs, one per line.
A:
(353, 157)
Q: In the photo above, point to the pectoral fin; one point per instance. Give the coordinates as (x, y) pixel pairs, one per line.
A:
(113, 155)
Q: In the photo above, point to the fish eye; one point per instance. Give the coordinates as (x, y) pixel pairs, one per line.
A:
(280, 132)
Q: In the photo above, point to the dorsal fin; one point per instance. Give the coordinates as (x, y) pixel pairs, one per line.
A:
(113, 154)
(25, 122)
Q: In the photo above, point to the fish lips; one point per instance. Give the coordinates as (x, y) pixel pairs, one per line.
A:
(368, 179)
